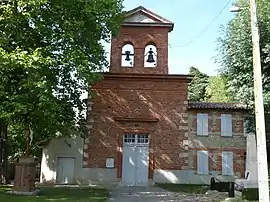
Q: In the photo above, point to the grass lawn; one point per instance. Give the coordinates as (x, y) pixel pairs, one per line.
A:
(185, 188)
(57, 194)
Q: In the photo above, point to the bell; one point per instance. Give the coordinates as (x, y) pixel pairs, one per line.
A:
(150, 58)
(127, 54)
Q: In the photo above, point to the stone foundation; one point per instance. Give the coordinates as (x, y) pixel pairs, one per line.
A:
(25, 174)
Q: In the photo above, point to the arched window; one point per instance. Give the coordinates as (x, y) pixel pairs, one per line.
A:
(150, 56)
(127, 59)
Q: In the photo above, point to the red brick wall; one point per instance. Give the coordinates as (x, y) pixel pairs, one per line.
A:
(214, 121)
(140, 37)
(157, 107)
(215, 159)
(214, 143)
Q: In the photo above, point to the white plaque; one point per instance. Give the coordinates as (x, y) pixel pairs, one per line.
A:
(110, 163)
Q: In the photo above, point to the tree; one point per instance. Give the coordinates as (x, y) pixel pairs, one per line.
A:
(235, 55)
(50, 52)
(217, 91)
(197, 86)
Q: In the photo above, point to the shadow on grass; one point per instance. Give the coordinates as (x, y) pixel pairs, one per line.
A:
(184, 188)
(57, 194)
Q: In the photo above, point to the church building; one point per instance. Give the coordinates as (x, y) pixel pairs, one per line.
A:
(141, 127)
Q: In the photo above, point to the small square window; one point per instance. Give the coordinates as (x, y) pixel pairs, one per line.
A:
(143, 139)
(129, 138)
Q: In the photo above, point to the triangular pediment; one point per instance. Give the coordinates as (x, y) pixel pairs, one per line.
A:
(140, 17)
(143, 15)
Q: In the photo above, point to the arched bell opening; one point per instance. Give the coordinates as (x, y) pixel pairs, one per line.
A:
(150, 56)
(127, 59)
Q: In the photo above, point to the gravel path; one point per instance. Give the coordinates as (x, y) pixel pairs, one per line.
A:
(155, 194)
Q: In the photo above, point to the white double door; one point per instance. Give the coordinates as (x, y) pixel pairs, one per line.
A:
(65, 170)
(135, 160)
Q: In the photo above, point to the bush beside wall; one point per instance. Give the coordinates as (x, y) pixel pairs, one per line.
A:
(250, 194)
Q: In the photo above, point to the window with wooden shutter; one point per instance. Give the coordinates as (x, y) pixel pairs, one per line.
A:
(202, 124)
(202, 163)
(227, 163)
(226, 125)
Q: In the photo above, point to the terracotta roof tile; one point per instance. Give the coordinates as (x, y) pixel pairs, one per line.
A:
(216, 105)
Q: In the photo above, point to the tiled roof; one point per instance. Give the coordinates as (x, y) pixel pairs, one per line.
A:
(216, 105)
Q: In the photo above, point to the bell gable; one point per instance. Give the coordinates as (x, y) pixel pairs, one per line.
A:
(142, 44)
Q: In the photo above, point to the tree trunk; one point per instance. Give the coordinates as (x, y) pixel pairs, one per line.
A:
(5, 155)
(3, 152)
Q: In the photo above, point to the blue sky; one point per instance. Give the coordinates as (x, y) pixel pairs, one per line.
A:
(190, 18)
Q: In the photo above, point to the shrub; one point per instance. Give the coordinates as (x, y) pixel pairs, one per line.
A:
(250, 194)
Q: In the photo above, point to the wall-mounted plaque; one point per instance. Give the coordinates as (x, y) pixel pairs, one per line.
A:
(110, 163)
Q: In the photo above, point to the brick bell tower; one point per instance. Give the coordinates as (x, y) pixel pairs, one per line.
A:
(142, 44)
(137, 99)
